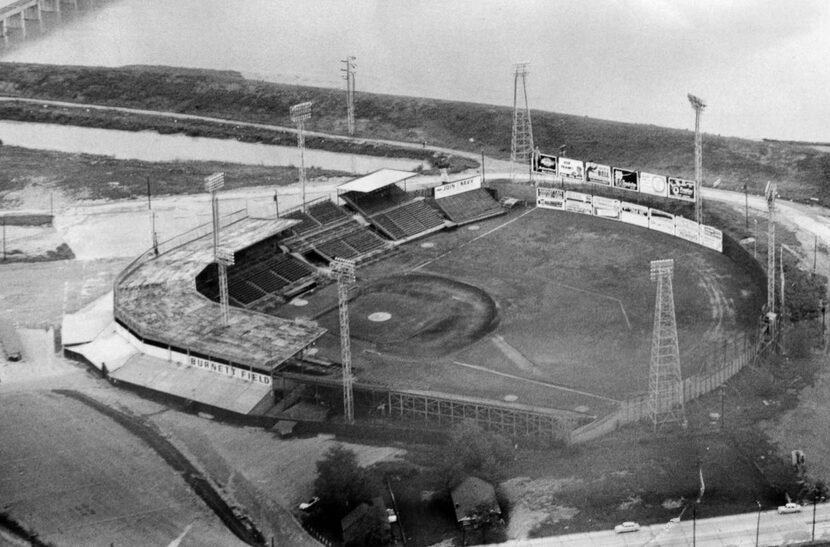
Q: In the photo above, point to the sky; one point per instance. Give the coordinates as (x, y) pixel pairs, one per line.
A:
(759, 65)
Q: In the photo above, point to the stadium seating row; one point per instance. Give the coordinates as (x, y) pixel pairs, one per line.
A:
(377, 202)
(469, 206)
(408, 220)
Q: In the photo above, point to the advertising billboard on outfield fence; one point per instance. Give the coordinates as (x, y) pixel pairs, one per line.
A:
(682, 189)
(634, 214)
(577, 202)
(606, 207)
(687, 229)
(626, 179)
(550, 198)
(572, 170)
(458, 187)
(544, 163)
(598, 173)
(661, 221)
(711, 237)
(655, 185)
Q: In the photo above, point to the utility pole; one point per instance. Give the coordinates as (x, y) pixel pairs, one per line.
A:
(276, 204)
(665, 384)
(343, 270)
(521, 150)
(299, 114)
(746, 207)
(4, 238)
(350, 64)
(698, 105)
(149, 206)
(758, 524)
(483, 182)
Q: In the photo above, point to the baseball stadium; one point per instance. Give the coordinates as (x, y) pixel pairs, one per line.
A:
(527, 308)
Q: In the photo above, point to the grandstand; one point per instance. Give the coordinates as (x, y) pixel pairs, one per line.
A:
(331, 232)
(157, 301)
(390, 209)
(470, 206)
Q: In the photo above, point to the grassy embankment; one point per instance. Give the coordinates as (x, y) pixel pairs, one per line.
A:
(802, 172)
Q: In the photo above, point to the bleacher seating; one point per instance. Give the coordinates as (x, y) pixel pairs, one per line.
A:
(290, 268)
(363, 241)
(245, 292)
(268, 281)
(469, 206)
(327, 212)
(378, 201)
(306, 224)
(408, 220)
(336, 248)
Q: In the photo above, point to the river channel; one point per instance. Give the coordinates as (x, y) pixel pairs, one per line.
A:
(152, 146)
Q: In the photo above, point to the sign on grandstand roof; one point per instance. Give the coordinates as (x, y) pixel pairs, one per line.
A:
(458, 187)
(214, 182)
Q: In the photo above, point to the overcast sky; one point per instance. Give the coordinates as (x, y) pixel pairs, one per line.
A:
(760, 65)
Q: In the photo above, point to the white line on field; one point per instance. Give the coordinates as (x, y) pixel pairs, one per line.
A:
(617, 300)
(538, 382)
(499, 227)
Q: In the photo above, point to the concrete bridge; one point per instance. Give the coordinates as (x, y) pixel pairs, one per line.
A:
(16, 14)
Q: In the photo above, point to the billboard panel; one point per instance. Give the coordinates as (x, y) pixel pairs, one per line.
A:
(577, 202)
(598, 173)
(571, 169)
(687, 229)
(655, 185)
(634, 214)
(458, 187)
(550, 198)
(661, 221)
(711, 237)
(544, 163)
(682, 189)
(626, 179)
(606, 207)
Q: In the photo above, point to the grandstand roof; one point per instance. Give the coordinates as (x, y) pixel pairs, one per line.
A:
(160, 301)
(376, 180)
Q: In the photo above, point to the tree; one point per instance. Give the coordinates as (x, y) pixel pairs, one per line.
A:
(341, 483)
(474, 451)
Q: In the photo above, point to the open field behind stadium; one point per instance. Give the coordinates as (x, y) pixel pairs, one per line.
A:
(573, 310)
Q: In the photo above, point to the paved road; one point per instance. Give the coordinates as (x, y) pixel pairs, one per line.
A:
(734, 530)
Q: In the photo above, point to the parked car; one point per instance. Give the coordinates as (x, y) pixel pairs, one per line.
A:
(789, 508)
(307, 505)
(390, 515)
(626, 527)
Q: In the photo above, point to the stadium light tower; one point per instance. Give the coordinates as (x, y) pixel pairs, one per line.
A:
(299, 114)
(343, 270)
(698, 105)
(224, 258)
(213, 183)
(770, 192)
(349, 70)
(521, 150)
(665, 384)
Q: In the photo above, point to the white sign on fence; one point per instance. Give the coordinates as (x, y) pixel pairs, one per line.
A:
(634, 214)
(577, 202)
(571, 170)
(711, 237)
(661, 221)
(606, 207)
(653, 184)
(550, 198)
(687, 229)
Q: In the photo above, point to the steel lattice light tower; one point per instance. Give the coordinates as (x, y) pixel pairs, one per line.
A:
(343, 270)
(770, 192)
(299, 114)
(213, 183)
(698, 105)
(223, 259)
(521, 150)
(349, 61)
(665, 384)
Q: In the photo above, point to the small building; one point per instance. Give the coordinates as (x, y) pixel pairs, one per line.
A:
(366, 524)
(475, 503)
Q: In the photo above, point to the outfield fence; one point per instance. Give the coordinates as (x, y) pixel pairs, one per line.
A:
(715, 369)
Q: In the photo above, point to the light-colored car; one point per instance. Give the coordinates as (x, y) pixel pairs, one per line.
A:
(306, 505)
(390, 515)
(789, 508)
(626, 527)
